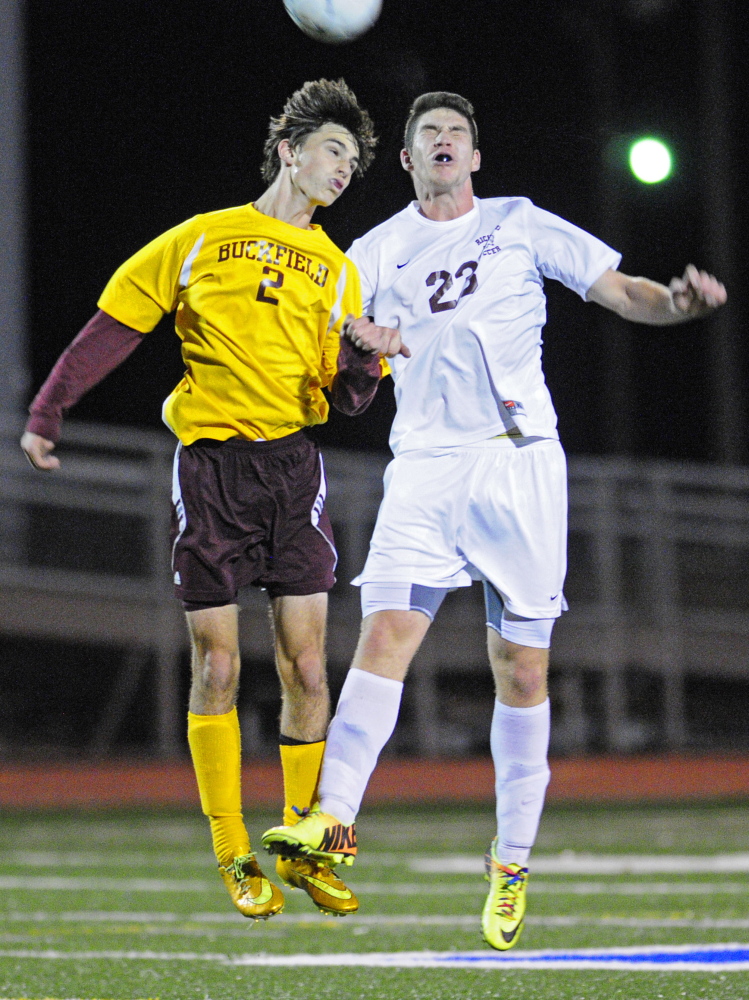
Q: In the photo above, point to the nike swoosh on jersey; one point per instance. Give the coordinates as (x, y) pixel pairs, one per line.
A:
(399, 266)
(331, 891)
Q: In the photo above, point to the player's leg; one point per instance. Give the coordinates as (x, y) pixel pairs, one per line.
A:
(298, 578)
(210, 551)
(519, 745)
(215, 745)
(299, 630)
(364, 721)
(368, 707)
(520, 498)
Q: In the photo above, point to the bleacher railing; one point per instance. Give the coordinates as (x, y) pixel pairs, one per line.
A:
(658, 583)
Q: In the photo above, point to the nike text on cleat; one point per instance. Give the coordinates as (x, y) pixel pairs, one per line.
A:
(320, 883)
(319, 836)
(504, 909)
(251, 892)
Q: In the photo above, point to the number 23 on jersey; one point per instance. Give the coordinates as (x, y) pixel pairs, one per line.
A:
(438, 301)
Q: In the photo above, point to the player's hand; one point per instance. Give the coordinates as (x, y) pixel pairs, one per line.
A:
(38, 451)
(367, 336)
(696, 293)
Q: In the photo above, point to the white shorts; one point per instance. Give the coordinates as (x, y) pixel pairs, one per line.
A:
(491, 511)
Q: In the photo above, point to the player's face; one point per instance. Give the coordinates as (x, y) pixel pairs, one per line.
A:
(442, 157)
(322, 168)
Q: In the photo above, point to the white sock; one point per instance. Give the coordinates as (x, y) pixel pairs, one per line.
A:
(520, 746)
(363, 723)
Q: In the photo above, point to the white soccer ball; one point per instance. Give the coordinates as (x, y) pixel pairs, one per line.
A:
(333, 21)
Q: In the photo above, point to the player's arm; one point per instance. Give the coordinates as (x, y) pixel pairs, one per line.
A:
(99, 348)
(641, 300)
(355, 382)
(380, 340)
(139, 293)
(360, 366)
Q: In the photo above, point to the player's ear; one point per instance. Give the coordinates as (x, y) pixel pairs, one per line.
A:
(406, 161)
(476, 161)
(286, 152)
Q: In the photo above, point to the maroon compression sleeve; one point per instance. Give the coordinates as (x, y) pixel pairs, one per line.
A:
(356, 380)
(101, 345)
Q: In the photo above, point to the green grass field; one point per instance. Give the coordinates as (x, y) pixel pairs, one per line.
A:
(123, 906)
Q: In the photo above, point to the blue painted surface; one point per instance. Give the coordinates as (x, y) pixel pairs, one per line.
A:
(720, 955)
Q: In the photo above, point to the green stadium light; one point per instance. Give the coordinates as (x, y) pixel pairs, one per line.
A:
(650, 160)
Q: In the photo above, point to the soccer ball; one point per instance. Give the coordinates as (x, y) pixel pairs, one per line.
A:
(333, 21)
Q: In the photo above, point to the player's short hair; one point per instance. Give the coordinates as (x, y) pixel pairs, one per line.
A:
(307, 110)
(439, 99)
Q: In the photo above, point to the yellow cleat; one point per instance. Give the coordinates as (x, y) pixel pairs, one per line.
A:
(251, 892)
(320, 883)
(318, 836)
(504, 909)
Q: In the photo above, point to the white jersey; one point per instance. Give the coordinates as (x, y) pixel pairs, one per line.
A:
(468, 298)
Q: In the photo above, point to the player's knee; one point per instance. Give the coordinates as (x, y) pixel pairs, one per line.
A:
(307, 675)
(216, 669)
(387, 632)
(526, 683)
(520, 671)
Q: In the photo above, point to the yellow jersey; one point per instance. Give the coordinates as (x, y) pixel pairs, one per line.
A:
(259, 308)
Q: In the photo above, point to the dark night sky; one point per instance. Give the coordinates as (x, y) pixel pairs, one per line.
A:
(142, 114)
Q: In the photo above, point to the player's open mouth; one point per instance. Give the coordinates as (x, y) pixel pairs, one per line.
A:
(443, 158)
(338, 185)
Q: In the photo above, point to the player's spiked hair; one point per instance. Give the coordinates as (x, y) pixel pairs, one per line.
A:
(439, 99)
(307, 110)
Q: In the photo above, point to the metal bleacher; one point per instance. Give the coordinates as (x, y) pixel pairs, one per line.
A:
(658, 584)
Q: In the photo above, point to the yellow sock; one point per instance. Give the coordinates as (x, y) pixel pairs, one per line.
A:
(215, 745)
(301, 773)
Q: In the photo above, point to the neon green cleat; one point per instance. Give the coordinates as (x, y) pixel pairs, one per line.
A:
(319, 836)
(504, 909)
(251, 892)
(321, 884)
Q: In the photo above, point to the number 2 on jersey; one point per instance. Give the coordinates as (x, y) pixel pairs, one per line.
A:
(437, 302)
(266, 283)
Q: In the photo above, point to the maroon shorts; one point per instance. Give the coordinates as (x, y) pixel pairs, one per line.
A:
(249, 512)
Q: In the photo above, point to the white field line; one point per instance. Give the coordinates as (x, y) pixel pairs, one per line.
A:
(564, 863)
(637, 888)
(681, 958)
(572, 863)
(83, 859)
(104, 884)
(176, 922)
(36, 883)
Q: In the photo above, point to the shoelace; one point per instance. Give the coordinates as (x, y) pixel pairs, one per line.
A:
(237, 865)
(512, 883)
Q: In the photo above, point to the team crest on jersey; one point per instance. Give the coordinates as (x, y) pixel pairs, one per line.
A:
(487, 244)
(514, 407)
